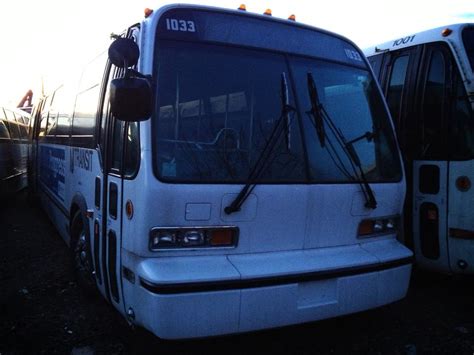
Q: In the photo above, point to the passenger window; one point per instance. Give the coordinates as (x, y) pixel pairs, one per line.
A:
(19, 118)
(105, 110)
(132, 150)
(117, 148)
(84, 121)
(433, 142)
(52, 122)
(14, 130)
(4, 130)
(44, 118)
(462, 125)
(23, 132)
(376, 64)
(395, 88)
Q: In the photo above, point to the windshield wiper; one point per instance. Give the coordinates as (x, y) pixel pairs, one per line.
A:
(316, 110)
(262, 160)
(285, 109)
(320, 116)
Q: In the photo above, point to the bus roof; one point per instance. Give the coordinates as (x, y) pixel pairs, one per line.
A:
(439, 34)
(242, 12)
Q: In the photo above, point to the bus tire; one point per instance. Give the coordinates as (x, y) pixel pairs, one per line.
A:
(82, 257)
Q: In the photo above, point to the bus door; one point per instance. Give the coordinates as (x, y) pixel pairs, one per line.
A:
(113, 213)
(430, 163)
(113, 136)
(106, 244)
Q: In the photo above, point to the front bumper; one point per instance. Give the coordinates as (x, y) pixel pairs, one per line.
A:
(187, 297)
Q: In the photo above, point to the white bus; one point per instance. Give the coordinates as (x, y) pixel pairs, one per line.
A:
(224, 172)
(428, 81)
(13, 150)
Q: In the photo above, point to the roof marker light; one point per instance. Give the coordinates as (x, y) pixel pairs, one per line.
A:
(292, 18)
(268, 12)
(446, 32)
(242, 7)
(148, 12)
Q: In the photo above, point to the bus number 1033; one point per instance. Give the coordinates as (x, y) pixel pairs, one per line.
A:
(173, 24)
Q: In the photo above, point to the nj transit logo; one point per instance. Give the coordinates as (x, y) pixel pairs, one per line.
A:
(81, 158)
(52, 169)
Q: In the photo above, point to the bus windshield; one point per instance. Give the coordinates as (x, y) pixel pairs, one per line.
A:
(216, 113)
(468, 39)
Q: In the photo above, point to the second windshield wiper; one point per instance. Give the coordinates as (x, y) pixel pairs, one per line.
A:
(320, 116)
(262, 160)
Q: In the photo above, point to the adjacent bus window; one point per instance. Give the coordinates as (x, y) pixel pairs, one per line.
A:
(468, 39)
(462, 124)
(432, 144)
(395, 88)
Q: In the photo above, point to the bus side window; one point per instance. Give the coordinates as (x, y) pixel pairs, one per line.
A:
(52, 119)
(132, 150)
(84, 119)
(432, 142)
(12, 125)
(23, 132)
(117, 148)
(19, 118)
(105, 112)
(44, 118)
(3, 125)
(462, 125)
(376, 64)
(4, 134)
(395, 88)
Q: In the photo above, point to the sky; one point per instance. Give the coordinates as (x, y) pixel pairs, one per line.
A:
(46, 42)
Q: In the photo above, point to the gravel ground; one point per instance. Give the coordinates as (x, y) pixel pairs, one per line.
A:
(43, 311)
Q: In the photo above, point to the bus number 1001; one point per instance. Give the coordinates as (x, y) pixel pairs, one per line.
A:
(404, 40)
(173, 24)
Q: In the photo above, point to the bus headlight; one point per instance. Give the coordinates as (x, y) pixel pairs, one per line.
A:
(378, 226)
(192, 237)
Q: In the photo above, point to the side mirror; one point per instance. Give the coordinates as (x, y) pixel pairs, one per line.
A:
(130, 99)
(124, 53)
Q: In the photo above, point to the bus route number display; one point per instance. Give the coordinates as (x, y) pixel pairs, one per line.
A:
(173, 24)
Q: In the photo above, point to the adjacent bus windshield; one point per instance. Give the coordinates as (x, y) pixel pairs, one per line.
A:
(215, 114)
(239, 166)
(468, 40)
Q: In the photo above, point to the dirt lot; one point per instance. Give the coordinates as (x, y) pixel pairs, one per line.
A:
(42, 310)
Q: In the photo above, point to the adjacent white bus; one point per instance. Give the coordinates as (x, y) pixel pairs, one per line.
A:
(428, 81)
(13, 150)
(223, 172)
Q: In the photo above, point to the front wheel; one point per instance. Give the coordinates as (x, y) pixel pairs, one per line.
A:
(83, 267)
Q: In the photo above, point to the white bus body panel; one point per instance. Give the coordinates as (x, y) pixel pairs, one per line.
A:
(460, 216)
(315, 233)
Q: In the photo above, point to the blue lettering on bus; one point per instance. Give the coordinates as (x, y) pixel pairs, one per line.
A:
(52, 169)
(81, 158)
